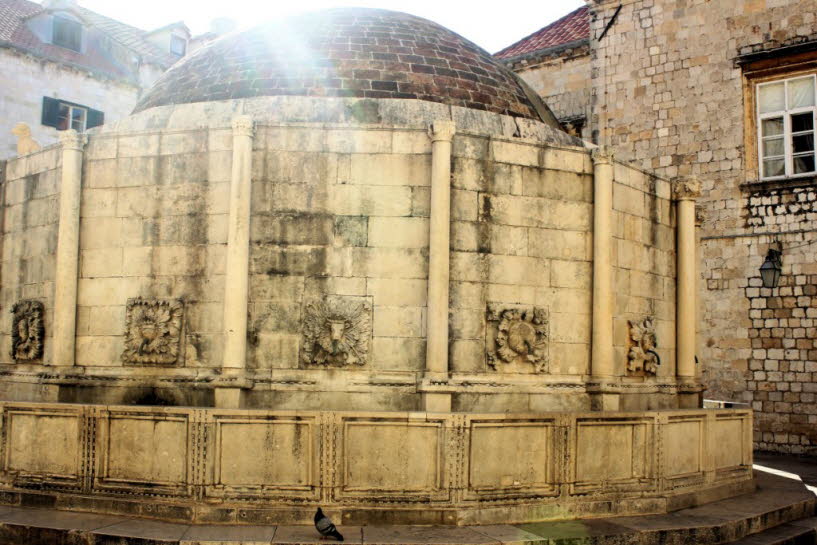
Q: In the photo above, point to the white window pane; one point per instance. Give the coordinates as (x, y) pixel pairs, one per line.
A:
(804, 164)
(773, 147)
(774, 167)
(772, 127)
(772, 97)
(801, 93)
(78, 119)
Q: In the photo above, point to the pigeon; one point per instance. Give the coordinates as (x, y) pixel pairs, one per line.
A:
(325, 526)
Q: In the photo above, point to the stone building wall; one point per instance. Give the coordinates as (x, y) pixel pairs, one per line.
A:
(669, 96)
(563, 80)
(28, 79)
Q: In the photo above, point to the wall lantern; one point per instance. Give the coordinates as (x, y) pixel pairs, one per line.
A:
(770, 270)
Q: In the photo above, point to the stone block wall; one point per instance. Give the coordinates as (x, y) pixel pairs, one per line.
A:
(644, 262)
(339, 234)
(521, 224)
(153, 225)
(669, 96)
(27, 80)
(260, 467)
(563, 80)
(30, 217)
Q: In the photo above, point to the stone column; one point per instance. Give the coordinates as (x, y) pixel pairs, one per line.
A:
(685, 192)
(67, 263)
(603, 361)
(442, 133)
(236, 281)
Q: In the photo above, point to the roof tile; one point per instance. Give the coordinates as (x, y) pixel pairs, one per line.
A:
(573, 26)
(15, 32)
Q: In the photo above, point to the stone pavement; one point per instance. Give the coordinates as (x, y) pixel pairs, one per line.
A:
(805, 468)
(780, 507)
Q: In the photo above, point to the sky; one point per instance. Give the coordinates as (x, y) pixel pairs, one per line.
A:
(494, 26)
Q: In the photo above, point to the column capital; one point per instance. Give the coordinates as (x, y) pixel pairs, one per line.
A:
(686, 189)
(72, 140)
(243, 125)
(602, 156)
(442, 129)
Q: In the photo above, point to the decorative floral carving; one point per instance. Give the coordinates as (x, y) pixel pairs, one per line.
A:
(337, 331)
(686, 188)
(27, 331)
(642, 357)
(153, 331)
(522, 336)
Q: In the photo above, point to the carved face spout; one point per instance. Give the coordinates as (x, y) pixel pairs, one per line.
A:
(336, 332)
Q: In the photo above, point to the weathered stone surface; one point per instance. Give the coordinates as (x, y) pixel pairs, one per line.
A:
(564, 463)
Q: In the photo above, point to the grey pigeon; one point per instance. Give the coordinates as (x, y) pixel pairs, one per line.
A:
(325, 526)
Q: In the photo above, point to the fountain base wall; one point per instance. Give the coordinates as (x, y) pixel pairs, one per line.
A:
(259, 466)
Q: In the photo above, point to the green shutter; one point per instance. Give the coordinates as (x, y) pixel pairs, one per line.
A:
(51, 112)
(95, 119)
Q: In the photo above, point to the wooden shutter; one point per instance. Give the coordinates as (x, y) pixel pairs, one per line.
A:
(51, 112)
(95, 119)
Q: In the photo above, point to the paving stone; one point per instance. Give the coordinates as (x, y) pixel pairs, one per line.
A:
(408, 535)
(216, 534)
(296, 535)
(56, 520)
(510, 535)
(145, 529)
(576, 532)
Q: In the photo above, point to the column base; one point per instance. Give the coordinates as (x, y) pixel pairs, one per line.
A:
(690, 400)
(437, 403)
(228, 398)
(605, 402)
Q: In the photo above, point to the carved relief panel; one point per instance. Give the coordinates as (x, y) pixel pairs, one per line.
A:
(337, 331)
(153, 331)
(517, 339)
(27, 331)
(642, 358)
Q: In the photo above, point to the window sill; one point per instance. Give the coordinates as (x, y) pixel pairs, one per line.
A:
(799, 181)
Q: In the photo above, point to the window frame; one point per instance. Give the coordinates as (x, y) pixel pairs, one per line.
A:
(50, 114)
(71, 109)
(786, 114)
(60, 18)
(178, 39)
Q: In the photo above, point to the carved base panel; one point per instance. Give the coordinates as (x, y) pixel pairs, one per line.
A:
(246, 466)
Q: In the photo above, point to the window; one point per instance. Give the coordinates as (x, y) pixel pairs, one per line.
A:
(178, 46)
(67, 33)
(66, 115)
(786, 121)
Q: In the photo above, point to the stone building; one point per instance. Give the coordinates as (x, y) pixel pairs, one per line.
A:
(351, 260)
(723, 91)
(65, 66)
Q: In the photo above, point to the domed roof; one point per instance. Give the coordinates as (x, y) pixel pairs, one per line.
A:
(348, 52)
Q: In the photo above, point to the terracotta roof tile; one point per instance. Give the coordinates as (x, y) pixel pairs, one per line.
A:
(573, 26)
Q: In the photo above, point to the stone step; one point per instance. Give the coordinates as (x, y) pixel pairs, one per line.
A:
(801, 532)
(780, 512)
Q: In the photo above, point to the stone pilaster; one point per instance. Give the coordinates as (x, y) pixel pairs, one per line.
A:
(685, 191)
(67, 262)
(441, 133)
(236, 279)
(603, 361)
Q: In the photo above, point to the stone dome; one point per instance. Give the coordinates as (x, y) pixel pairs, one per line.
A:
(349, 52)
